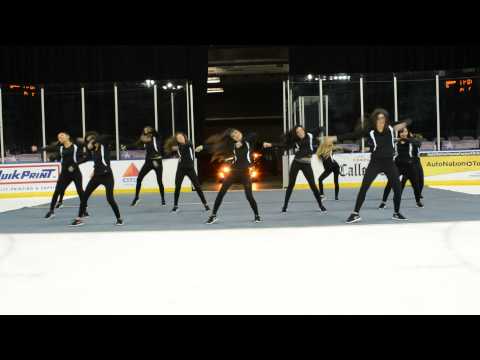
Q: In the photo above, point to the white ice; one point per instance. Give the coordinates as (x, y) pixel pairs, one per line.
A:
(19, 203)
(429, 268)
(466, 189)
(377, 269)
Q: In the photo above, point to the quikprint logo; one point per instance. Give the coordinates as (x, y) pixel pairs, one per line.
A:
(20, 174)
(130, 175)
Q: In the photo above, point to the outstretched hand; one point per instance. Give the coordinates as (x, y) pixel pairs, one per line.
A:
(199, 148)
(267, 145)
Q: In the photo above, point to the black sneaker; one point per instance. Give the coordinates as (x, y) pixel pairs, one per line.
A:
(175, 209)
(353, 218)
(77, 222)
(85, 215)
(59, 205)
(336, 198)
(257, 219)
(135, 202)
(382, 206)
(50, 215)
(164, 203)
(323, 209)
(119, 222)
(284, 210)
(207, 208)
(212, 219)
(398, 216)
(420, 205)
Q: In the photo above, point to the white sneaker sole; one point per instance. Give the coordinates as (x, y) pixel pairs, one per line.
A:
(81, 224)
(49, 218)
(353, 221)
(397, 219)
(213, 222)
(136, 204)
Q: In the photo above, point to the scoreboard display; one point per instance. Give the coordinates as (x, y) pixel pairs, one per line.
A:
(25, 90)
(460, 86)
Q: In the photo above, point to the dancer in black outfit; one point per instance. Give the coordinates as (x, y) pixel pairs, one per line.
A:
(330, 165)
(70, 156)
(381, 161)
(153, 161)
(304, 145)
(232, 144)
(407, 149)
(417, 163)
(97, 147)
(186, 153)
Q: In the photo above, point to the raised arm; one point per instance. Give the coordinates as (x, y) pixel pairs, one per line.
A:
(348, 136)
(401, 124)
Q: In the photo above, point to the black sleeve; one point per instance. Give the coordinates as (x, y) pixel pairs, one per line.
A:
(251, 137)
(105, 139)
(414, 142)
(84, 157)
(55, 157)
(135, 145)
(51, 148)
(353, 135)
(317, 131)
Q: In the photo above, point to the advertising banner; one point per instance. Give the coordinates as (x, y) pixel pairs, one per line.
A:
(352, 169)
(28, 178)
(440, 168)
(25, 180)
(452, 168)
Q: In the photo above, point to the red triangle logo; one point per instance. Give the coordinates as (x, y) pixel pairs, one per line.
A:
(131, 171)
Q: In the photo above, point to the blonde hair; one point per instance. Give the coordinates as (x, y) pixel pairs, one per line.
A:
(324, 150)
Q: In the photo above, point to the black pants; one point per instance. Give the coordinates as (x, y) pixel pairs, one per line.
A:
(236, 176)
(336, 172)
(65, 178)
(62, 194)
(407, 172)
(180, 175)
(149, 165)
(375, 167)
(307, 170)
(421, 177)
(97, 180)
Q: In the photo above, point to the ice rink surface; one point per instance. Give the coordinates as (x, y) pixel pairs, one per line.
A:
(302, 262)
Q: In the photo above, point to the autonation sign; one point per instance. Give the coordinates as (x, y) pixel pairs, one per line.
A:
(29, 174)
